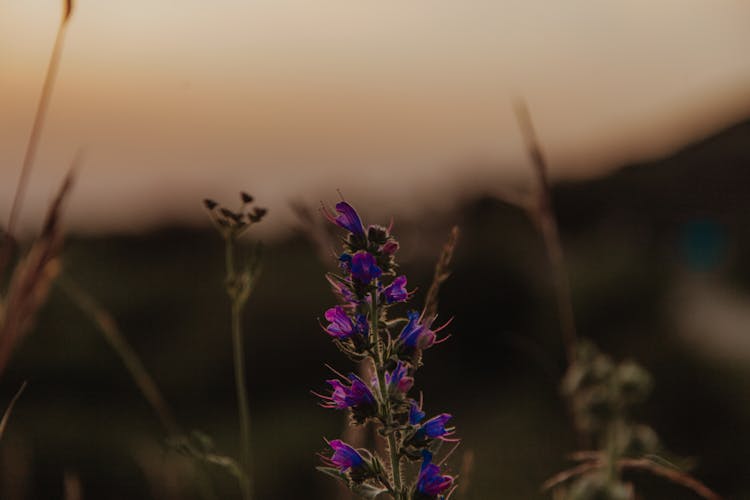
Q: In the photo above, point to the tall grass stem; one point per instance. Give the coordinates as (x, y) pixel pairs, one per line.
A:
(112, 334)
(542, 213)
(236, 289)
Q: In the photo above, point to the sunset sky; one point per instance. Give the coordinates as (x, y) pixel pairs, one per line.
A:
(395, 103)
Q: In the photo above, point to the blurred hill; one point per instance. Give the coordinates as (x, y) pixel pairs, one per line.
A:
(633, 239)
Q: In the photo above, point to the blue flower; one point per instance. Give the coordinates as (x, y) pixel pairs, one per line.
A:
(364, 267)
(430, 483)
(396, 291)
(416, 414)
(435, 428)
(347, 218)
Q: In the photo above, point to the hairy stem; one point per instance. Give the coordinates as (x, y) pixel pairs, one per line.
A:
(380, 369)
(237, 294)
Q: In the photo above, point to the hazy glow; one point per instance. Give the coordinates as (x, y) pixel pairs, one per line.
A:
(292, 98)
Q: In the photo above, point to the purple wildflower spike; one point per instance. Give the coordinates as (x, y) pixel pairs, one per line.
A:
(393, 356)
(344, 456)
(396, 291)
(347, 218)
(364, 267)
(398, 381)
(431, 484)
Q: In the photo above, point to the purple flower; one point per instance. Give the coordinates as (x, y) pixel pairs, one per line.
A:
(344, 456)
(347, 218)
(416, 335)
(341, 325)
(355, 395)
(416, 414)
(396, 291)
(430, 484)
(345, 262)
(364, 268)
(398, 381)
(434, 428)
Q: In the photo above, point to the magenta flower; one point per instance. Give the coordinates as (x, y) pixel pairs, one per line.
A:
(355, 395)
(341, 325)
(364, 268)
(430, 483)
(347, 218)
(396, 291)
(398, 381)
(344, 456)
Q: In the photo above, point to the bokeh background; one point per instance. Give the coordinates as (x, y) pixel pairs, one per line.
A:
(642, 109)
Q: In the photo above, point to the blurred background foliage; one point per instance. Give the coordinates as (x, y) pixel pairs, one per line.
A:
(658, 259)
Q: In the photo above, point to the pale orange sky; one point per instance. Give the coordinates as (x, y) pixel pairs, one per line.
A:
(389, 101)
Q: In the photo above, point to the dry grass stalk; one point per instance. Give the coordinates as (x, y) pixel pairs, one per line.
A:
(539, 207)
(41, 112)
(442, 272)
(32, 278)
(8, 244)
(9, 410)
(107, 325)
(597, 462)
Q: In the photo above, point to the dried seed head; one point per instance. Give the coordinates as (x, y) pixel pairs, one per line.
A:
(229, 214)
(210, 204)
(246, 198)
(68, 10)
(257, 214)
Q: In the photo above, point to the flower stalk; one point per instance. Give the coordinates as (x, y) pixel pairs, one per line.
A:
(368, 289)
(238, 283)
(385, 400)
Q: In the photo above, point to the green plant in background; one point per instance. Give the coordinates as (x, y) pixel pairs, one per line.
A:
(600, 394)
(241, 273)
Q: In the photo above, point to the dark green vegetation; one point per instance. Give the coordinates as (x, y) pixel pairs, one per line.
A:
(631, 239)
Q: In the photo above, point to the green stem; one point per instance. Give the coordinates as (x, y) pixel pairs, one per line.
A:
(380, 369)
(237, 296)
